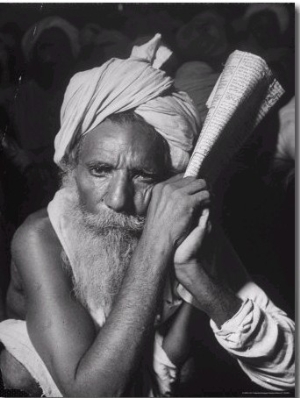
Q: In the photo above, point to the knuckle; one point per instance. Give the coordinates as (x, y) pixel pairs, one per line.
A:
(205, 194)
(157, 187)
(202, 183)
(176, 194)
(204, 197)
(189, 179)
(190, 210)
(169, 189)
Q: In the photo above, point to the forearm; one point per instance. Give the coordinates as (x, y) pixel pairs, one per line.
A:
(15, 303)
(108, 365)
(261, 337)
(177, 339)
(245, 322)
(213, 297)
(81, 360)
(172, 349)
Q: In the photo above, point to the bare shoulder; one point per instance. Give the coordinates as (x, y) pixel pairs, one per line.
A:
(35, 236)
(35, 229)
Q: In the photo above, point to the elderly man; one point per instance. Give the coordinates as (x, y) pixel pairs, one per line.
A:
(96, 274)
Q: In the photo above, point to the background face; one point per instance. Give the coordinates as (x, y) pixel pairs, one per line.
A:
(53, 47)
(265, 28)
(208, 37)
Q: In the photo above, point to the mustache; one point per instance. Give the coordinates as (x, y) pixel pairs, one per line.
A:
(104, 244)
(107, 220)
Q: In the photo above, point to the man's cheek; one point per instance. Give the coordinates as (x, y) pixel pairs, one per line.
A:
(91, 194)
(91, 201)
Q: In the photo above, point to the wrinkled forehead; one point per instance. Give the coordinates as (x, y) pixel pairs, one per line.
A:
(124, 144)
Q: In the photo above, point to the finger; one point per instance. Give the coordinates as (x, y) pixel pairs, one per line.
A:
(181, 182)
(201, 198)
(175, 178)
(195, 238)
(177, 181)
(199, 232)
(194, 186)
(203, 219)
(189, 185)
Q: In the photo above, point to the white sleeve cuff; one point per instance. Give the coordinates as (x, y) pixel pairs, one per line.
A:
(235, 322)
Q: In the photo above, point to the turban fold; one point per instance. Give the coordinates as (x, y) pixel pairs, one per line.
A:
(132, 84)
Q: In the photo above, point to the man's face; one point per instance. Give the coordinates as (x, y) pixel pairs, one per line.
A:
(53, 47)
(118, 167)
(207, 37)
(264, 26)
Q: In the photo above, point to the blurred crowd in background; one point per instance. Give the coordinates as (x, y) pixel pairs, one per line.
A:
(43, 45)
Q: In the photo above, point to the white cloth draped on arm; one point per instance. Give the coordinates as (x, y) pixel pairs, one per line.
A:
(261, 337)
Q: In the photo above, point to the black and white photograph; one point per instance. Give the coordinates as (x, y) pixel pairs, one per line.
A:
(147, 199)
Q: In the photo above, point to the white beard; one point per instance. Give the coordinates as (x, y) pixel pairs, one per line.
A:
(104, 246)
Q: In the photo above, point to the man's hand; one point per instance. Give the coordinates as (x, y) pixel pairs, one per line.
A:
(188, 251)
(194, 270)
(174, 205)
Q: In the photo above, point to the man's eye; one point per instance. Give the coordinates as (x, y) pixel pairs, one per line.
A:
(99, 171)
(146, 177)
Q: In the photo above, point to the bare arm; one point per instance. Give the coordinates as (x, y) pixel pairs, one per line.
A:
(206, 286)
(177, 343)
(15, 297)
(81, 361)
(212, 272)
(246, 323)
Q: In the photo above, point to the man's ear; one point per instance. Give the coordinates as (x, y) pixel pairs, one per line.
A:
(68, 174)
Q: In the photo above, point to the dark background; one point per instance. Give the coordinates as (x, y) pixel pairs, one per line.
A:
(258, 216)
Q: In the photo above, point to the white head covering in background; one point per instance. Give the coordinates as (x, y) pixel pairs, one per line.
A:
(34, 32)
(279, 10)
(198, 80)
(132, 84)
(204, 37)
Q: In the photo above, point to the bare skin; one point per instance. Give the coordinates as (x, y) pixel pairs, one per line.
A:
(121, 169)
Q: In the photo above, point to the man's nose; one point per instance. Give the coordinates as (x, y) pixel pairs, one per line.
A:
(119, 194)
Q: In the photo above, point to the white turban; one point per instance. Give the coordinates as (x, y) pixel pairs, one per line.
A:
(34, 32)
(131, 84)
(279, 10)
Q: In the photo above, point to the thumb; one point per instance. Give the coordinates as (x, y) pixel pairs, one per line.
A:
(203, 219)
(194, 240)
(199, 232)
